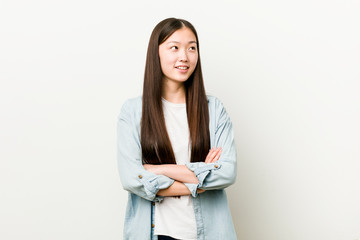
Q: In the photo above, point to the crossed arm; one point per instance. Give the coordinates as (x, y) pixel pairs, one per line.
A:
(216, 172)
(181, 174)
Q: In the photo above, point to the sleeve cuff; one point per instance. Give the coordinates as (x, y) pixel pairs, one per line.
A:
(201, 170)
(193, 188)
(152, 184)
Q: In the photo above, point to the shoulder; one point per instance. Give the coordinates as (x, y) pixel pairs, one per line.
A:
(214, 102)
(137, 101)
(217, 109)
(133, 102)
(134, 105)
(131, 106)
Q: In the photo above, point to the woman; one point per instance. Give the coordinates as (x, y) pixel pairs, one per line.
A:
(176, 150)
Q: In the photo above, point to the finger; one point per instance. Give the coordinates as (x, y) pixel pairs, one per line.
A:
(211, 154)
(216, 157)
(207, 159)
(200, 190)
(214, 153)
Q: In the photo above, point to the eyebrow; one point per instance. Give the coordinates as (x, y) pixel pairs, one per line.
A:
(179, 42)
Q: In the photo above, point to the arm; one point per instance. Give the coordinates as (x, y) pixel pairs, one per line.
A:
(177, 172)
(222, 173)
(180, 172)
(133, 175)
(176, 189)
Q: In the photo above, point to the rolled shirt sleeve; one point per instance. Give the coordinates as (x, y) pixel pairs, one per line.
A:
(221, 173)
(134, 177)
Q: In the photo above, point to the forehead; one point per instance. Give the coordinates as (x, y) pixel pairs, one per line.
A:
(183, 35)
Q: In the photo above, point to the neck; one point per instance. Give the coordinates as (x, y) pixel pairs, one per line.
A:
(174, 92)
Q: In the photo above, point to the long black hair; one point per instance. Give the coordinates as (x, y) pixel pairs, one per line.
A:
(155, 141)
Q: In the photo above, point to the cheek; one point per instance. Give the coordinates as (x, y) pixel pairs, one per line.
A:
(166, 61)
(194, 59)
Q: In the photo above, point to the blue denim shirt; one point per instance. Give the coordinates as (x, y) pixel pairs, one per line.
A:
(212, 214)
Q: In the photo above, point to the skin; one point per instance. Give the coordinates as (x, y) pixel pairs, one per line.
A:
(179, 49)
(181, 174)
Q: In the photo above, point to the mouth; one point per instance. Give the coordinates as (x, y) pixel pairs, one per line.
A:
(182, 68)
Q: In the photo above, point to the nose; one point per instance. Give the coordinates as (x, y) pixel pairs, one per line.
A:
(183, 56)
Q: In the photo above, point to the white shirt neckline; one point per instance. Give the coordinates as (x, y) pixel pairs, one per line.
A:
(173, 104)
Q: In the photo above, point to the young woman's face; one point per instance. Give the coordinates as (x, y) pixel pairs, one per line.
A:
(178, 55)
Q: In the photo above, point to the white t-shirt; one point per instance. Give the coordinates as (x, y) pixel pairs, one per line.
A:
(174, 216)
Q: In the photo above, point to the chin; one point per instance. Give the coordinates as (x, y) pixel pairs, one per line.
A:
(183, 80)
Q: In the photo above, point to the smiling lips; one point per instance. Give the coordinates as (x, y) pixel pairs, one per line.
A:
(182, 67)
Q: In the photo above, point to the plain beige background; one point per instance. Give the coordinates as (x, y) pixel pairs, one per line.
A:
(286, 71)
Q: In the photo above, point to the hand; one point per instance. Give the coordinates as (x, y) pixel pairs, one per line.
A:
(200, 190)
(213, 155)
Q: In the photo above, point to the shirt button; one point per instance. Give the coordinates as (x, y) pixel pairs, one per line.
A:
(152, 225)
(216, 166)
(140, 176)
(153, 203)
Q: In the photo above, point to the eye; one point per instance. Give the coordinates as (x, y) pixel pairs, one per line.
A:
(193, 48)
(174, 47)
